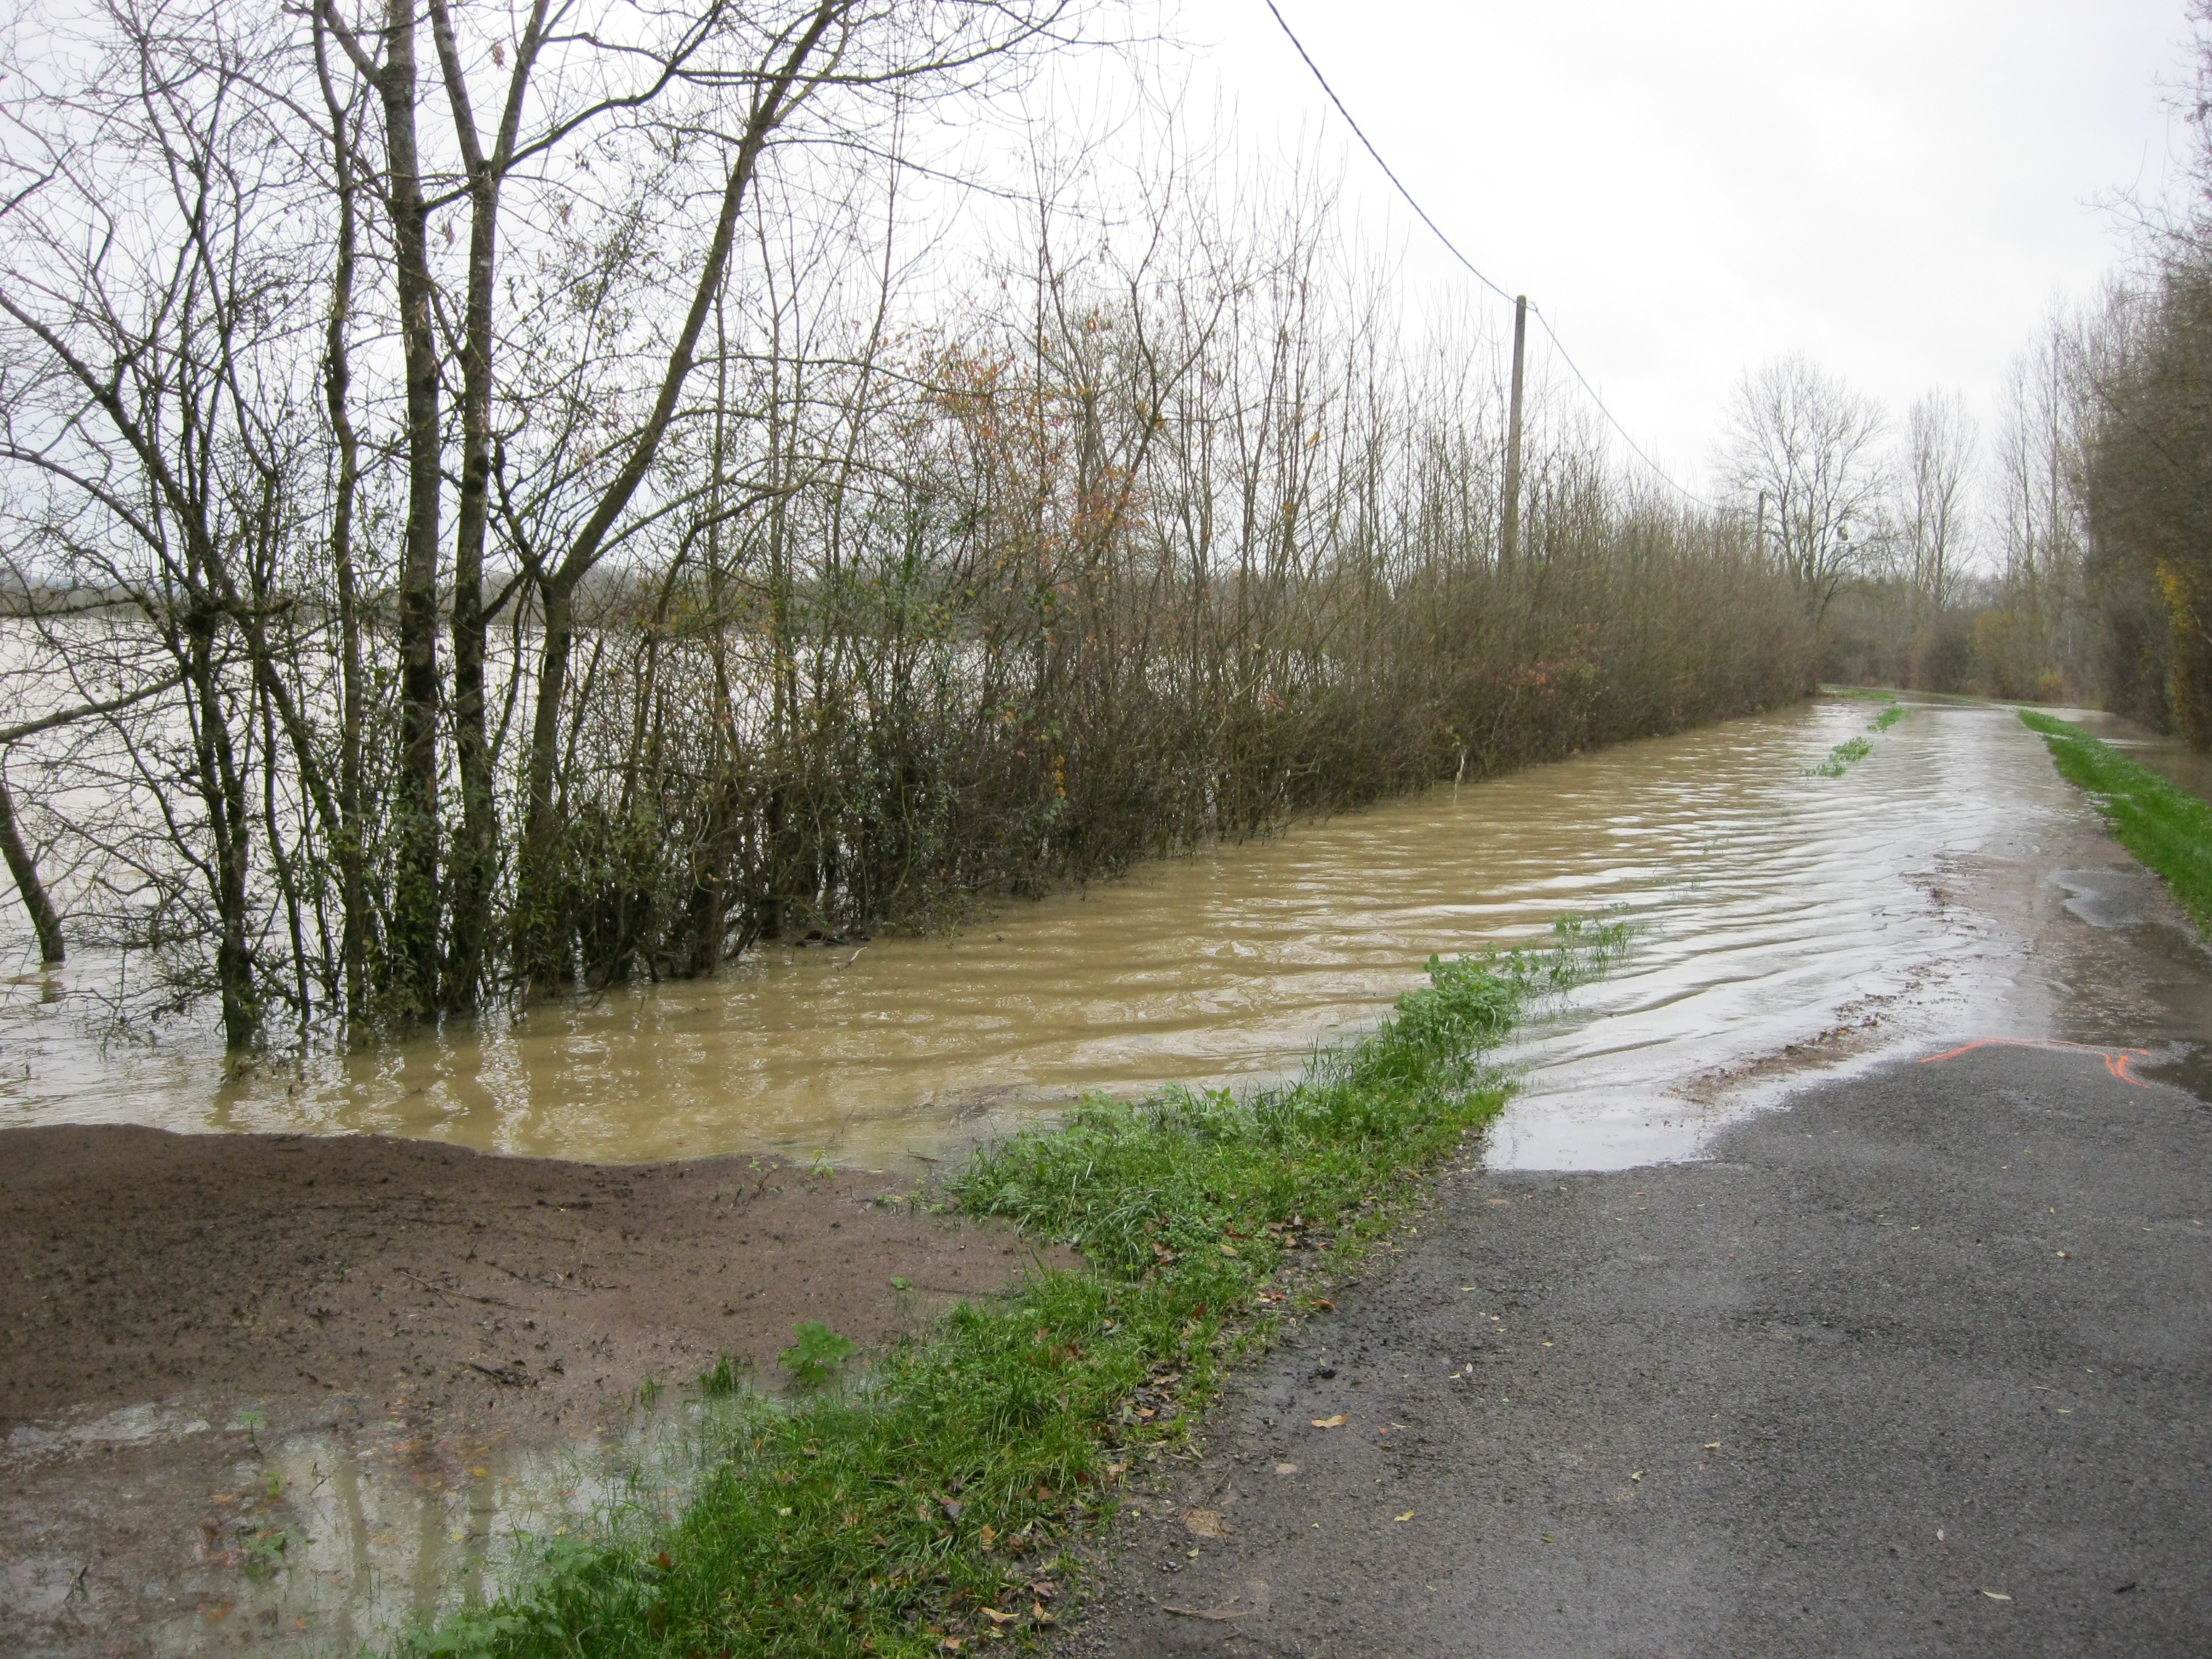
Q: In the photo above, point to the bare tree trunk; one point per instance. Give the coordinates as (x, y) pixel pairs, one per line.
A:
(415, 898)
(43, 920)
(541, 919)
(338, 377)
(471, 859)
(222, 794)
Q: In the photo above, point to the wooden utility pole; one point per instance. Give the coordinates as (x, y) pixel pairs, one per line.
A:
(1508, 545)
(1762, 524)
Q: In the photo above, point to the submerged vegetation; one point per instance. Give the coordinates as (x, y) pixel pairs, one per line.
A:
(1853, 750)
(2166, 826)
(744, 555)
(934, 1500)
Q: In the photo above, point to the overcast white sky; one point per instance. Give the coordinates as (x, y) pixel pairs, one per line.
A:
(1898, 188)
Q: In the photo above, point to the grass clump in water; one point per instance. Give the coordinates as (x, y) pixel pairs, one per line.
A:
(2163, 825)
(1839, 758)
(931, 1502)
(1858, 749)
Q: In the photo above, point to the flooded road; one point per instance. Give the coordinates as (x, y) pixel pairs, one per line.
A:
(1948, 888)
(1773, 908)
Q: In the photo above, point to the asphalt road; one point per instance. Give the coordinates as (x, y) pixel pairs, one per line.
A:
(1922, 1365)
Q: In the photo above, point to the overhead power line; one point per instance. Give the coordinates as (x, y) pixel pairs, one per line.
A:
(1452, 248)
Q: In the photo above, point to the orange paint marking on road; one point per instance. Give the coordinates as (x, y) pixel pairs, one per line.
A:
(2117, 1060)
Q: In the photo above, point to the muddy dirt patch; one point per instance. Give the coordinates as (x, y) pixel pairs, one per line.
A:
(213, 1338)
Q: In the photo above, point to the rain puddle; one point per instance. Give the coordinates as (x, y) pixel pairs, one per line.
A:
(324, 1536)
(1773, 908)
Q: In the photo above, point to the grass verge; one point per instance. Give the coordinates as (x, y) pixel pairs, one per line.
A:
(2167, 828)
(1858, 693)
(926, 1508)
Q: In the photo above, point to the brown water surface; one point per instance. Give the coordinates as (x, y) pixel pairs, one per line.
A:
(1771, 905)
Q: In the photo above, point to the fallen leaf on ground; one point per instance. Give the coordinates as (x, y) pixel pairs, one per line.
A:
(1229, 1249)
(998, 1618)
(1407, 1516)
(1335, 1422)
(1323, 1302)
(1204, 1523)
(1712, 1445)
(1286, 1468)
(1997, 1595)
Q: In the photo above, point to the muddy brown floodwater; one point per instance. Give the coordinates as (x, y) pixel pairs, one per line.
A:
(1772, 906)
(1948, 888)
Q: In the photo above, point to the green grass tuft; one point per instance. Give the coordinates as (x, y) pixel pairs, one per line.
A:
(1888, 717)
(817, 1355)
(725, 1377)
(1839, 758)
(936, 1496)
(2167, 828)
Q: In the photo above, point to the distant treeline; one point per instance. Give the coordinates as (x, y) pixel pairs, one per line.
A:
(2098, 585)
(571, 535)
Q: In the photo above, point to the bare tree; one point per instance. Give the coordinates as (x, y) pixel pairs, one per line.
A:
(1933, 480)
(2042, 518)
(1811, 446)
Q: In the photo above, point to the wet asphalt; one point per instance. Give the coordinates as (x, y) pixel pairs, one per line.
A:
(1921, 1365)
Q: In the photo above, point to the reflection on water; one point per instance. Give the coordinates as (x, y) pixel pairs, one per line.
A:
(331, 1538)
(2168, 755)
(1771, 905)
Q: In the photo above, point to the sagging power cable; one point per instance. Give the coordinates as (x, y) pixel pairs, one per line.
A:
(1452, 248)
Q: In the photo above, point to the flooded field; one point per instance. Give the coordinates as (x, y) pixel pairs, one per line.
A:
(1948, 888)
(1772, 906)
